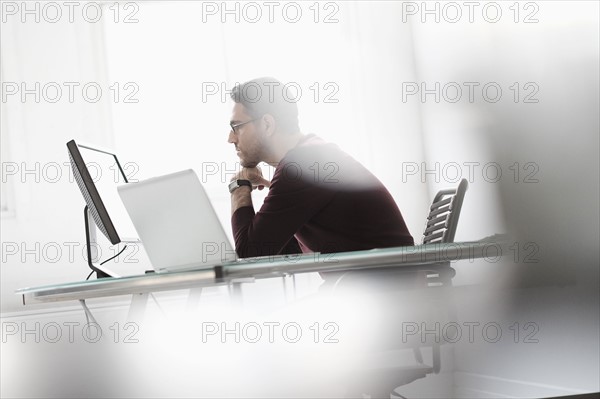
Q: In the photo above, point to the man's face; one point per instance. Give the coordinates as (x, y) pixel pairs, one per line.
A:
(248, 138)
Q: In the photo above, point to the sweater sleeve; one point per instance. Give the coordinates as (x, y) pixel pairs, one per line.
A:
(291, 202)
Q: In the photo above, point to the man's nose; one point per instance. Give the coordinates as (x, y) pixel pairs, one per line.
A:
(231, 138)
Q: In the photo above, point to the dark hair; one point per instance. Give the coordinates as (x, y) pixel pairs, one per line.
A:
(269, 96)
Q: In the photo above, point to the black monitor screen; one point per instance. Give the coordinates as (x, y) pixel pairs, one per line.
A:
(89, 189)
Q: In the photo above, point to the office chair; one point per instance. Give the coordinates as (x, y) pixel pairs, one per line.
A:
(440, 227)
(443, 215)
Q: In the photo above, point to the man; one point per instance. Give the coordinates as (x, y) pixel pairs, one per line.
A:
(320, 199)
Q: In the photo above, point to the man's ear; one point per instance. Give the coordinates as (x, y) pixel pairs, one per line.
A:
(270, 124)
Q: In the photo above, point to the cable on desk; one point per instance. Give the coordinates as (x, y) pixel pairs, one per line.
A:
(109, 259)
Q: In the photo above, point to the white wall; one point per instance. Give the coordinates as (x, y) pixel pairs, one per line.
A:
(44, 223)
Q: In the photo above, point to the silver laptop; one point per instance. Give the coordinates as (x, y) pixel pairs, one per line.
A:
(176, 222)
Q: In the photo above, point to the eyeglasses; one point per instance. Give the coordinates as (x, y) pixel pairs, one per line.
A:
(233, 127)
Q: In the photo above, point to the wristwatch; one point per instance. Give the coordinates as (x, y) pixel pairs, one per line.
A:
(234, 185)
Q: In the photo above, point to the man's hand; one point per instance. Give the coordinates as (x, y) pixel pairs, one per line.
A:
(242, 196)
(255, 176)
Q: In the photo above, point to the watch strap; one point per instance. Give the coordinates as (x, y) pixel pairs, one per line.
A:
(234, 185)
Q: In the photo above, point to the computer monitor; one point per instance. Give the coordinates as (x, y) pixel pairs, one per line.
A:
(90, 192)
(97, 180)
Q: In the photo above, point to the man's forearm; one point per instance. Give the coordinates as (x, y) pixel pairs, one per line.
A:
(241, 197)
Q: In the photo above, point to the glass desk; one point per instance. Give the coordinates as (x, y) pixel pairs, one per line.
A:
(419, 256)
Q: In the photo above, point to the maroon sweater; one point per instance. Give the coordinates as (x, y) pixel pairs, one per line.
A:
(320, 200)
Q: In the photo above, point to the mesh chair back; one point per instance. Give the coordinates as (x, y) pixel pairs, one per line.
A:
(443, 215)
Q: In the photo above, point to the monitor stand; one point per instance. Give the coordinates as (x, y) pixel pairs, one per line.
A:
(90, 239)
